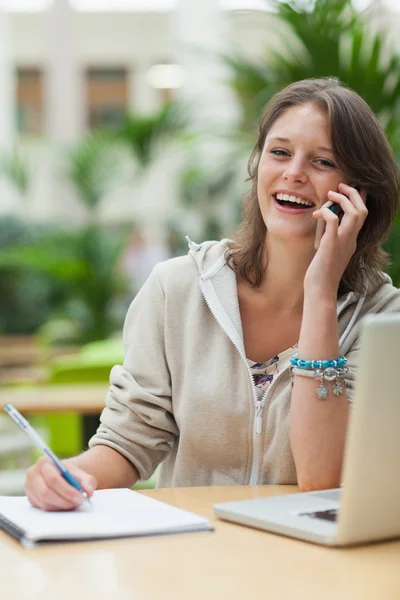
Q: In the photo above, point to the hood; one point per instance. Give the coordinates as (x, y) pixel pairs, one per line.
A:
(208, 256)
(210, 259)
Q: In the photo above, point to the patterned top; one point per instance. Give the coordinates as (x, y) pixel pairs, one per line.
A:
(265, 373)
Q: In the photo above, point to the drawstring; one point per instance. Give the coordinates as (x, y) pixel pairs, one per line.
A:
(353, 319)
(217, 266)
(192, 245)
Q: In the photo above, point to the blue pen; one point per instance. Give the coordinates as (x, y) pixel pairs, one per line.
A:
(35, 437)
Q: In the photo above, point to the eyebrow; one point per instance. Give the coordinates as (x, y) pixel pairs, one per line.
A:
(287, 140)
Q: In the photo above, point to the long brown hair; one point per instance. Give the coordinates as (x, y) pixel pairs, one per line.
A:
(364, 155)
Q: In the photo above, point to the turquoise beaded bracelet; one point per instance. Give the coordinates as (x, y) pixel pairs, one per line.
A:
(300, 363)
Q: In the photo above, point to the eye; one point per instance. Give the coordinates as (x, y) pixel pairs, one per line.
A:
(279, 152)
(324, 162)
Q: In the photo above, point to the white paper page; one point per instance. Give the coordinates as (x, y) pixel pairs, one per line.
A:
(116, 512)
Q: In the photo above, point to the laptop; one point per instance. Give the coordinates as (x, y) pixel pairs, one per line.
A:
(367, 506)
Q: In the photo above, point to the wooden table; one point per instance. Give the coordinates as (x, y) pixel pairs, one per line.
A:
(82, 398)
(233, 562)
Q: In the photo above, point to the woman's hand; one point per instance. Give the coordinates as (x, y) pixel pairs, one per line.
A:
(47, 489)
(339, 241)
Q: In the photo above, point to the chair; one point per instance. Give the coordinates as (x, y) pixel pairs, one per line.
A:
(70, 433)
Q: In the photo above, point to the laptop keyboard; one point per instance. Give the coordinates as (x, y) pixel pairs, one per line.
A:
(327, 515)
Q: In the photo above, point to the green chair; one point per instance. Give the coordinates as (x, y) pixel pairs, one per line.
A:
(69, 433)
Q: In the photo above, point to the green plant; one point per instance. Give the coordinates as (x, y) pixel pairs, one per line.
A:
(26, 297)
(84, 266)
(204, 189)
(93, 167)
(14, 166)
(80, 267)
(322, 38)
(143, 134)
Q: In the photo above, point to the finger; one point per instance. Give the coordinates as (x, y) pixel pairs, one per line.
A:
(32, 479)
(358, 198)
(50, 500)
(355, 212)
(330, 217)
(331, 225)
(319, 214)
(32, 495)
(344, 202)
(57, 485)
(40, 496)
(87, 481)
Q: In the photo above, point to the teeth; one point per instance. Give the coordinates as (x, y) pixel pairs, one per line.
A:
(294, 199)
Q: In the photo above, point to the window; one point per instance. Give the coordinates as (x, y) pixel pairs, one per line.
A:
(106, 96)
(29, 92)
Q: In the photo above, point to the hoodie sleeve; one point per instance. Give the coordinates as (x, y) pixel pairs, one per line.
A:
(138, 419)
(387, 300)
(352, 361)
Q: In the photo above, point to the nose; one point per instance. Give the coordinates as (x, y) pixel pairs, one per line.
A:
(295, 171)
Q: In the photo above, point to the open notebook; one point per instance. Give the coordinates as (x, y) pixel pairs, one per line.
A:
(114, 513)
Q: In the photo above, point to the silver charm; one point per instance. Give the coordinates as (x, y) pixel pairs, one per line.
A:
(329, 374)
(322, 392)
(342, 372)
(337, 388)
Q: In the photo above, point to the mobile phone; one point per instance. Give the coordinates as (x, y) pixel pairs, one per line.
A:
(319, 232)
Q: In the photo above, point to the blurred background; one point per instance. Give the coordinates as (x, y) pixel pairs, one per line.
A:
(124, 126)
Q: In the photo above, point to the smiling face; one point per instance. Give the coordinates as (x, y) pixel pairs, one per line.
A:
(297, 168)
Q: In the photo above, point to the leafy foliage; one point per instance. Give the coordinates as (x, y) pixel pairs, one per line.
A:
(330, 39)
(203, 188)
(83, 265)
(92, 164)
(17, 314)
(15, 167)
(78, 270)
(142, 134)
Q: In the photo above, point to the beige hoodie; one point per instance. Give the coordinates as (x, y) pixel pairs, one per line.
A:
(185, 395)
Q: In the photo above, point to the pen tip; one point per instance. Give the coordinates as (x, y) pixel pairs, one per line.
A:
(85, 495)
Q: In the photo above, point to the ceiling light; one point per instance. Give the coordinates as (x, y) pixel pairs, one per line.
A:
(165, 76)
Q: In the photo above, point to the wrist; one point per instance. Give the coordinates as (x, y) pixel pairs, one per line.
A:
(319, 329)
(321, 292)
(316, 303)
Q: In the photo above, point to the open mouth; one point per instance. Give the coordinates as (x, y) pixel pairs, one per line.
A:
(291, 201)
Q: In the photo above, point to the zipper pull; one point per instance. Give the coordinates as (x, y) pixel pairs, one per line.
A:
(259, 418)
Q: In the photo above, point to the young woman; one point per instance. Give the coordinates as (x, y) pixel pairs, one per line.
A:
(241, 357)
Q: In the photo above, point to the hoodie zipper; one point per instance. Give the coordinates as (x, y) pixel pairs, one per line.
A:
(224, 322)
(262, 402)
(258, 404)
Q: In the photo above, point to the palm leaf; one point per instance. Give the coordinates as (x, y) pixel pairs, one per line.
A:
(332, 39)
(92, 165)
(142, 134)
